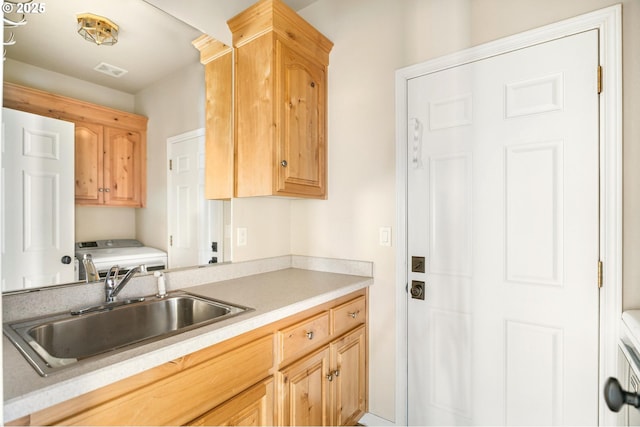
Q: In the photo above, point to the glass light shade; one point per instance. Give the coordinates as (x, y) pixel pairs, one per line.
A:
(97, 29)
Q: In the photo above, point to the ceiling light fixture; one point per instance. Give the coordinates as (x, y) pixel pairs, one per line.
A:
(97, 29)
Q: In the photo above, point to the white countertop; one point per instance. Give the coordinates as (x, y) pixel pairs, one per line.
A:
(274, 296)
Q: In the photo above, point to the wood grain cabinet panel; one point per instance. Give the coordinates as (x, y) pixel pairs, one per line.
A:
(301, 138)
(280, 100)
(253, 407)
(88, 163)
(305, 391)
(178, 399)
(348, 315)
(303, 337)
(329, 386)
(348, 357)
(122, 167)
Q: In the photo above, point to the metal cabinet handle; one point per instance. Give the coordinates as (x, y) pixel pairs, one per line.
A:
(283, 163)
(310, 335)
(354, 314)
(107, 190)
(333, 374)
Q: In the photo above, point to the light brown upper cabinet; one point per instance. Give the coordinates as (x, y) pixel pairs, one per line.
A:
(110, 146)
(277, 144)
(108, 166)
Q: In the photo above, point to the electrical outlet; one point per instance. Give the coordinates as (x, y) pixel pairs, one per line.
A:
(241, 236)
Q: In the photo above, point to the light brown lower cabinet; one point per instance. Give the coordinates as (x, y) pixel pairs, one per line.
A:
(305, 391)
(307, 369)
(327, 387)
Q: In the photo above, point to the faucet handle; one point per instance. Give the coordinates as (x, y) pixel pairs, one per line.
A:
(112, 275)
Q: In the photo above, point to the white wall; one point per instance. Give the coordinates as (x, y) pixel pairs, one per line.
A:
(368, 38)
(268, 224)
(60, 84)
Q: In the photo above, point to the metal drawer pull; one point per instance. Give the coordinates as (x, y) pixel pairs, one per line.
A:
(354, 314)
(310, 335)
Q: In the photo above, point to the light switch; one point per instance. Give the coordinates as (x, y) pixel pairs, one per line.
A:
(242, 236)
(385, 236)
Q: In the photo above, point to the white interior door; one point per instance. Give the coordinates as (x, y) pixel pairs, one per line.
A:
(38, 205)
(194, 222)
(503, 206)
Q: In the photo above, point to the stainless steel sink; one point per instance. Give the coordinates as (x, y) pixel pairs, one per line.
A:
(56, 341)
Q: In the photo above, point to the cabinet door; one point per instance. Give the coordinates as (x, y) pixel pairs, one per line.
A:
(253, 407)
(88, 163)
(305, 391)
(122, 168)
(301, 146)
(348, 359)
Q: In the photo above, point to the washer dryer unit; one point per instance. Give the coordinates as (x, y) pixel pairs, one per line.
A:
(125, 253)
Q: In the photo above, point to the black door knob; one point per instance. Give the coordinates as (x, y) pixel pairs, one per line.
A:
(66, 259)
(616, 397)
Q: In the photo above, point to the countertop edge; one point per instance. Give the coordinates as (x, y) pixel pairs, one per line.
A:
(48, 396)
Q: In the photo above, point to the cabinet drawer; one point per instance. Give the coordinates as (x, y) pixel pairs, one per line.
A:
(348, 315)
(302, 337)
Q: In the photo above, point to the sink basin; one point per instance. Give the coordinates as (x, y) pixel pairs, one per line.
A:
(53, 342)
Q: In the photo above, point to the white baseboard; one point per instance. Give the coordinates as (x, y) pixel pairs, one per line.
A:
(373, 420)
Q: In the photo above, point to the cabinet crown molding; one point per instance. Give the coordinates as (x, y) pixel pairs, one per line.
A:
(210, 48)
(61, 107)
(275, 16)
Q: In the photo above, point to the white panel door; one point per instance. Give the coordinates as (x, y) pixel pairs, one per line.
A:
(503, 206)
(38, 221)
(194, 222)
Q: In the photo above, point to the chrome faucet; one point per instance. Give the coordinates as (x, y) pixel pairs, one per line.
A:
(112, 288)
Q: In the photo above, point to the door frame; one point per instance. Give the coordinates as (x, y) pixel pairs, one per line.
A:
(608, 22)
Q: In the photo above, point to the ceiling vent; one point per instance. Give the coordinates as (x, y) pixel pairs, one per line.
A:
(110, 70)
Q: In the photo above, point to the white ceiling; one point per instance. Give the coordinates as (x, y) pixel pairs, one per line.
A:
(151, 44)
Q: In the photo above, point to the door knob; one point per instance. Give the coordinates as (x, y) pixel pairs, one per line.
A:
(616, 397)
(417, 289)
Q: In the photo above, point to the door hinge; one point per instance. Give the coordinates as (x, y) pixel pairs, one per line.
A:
(171, 240)
(170, 164)
(599, 79)
(600, 274)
